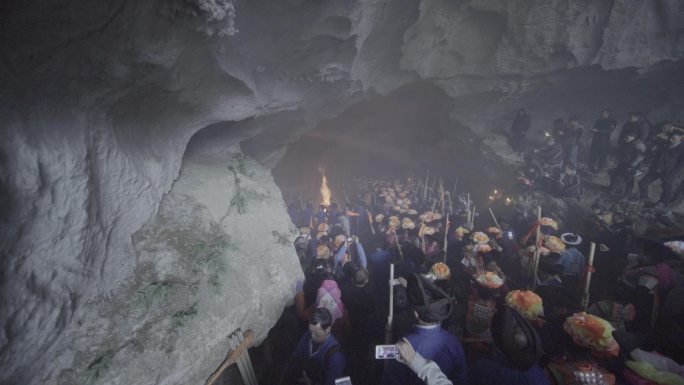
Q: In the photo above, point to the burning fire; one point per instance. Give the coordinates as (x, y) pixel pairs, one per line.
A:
(325, 191)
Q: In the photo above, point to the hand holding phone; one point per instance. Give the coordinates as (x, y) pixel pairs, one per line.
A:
(406, 351)
(386, 352)
(343, 381)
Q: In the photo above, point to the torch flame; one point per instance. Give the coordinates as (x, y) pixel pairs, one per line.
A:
(325, 191)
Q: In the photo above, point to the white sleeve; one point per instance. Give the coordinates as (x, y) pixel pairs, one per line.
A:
(428, 371)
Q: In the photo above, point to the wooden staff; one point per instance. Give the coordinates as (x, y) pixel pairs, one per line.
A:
(370, 220)
(232, 357)
(396, 242)
(390, 314)
(442, 200)
(468, 209)
(451, 207)
(587, 281)
(537, 250)
(427, 176)
(494, 218)
(472, 217)
(446, 237)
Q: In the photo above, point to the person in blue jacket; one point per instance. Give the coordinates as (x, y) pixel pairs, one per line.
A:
(430, 305)
(318, 357)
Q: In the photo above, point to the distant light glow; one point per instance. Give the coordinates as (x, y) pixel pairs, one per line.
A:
(325, 190)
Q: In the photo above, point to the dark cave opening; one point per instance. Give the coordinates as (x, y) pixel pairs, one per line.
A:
(408, 132)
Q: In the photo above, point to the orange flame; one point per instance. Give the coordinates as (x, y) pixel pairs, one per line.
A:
(325, 191)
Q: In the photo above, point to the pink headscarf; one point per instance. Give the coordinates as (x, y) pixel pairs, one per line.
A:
(330, 297)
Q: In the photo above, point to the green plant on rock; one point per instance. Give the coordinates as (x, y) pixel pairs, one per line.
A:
(181, 318)
(154, 293)
(241, 165)
(210, 258)
(239, 200)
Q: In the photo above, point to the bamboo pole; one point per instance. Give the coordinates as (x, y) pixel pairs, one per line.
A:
(370, 221)
(390, 314)
(246, 362)
(468, 209)
(451, 207)
(537, 250)
(455, 185)
(494, 218)
(232, 357)
(442, 200)
(446, 237)
(396, 242)
(587, 281)
(427, 177)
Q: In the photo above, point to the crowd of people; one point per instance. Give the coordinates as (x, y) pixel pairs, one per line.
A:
(501, 302)
(644, 151)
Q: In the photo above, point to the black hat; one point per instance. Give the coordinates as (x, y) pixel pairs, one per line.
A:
(430, 302)
(516, 338)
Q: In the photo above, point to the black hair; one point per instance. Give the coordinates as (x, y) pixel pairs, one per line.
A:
(322, 318)
(360, 276)
(430, 302)
(379, 242)
(415, 255)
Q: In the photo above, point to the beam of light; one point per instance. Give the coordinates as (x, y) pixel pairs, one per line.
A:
(325, 191)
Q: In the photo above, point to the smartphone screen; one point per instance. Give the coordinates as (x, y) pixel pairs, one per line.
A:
(343, 381)
(386, 352)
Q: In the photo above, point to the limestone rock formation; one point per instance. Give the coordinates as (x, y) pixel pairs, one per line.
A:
(100, 100)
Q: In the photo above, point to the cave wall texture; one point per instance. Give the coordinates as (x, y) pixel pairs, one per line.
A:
(111, 240)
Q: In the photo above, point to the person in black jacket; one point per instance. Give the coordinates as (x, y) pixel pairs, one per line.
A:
(631, 153)
(603, 128)
(569, 183)
(667, 164)
(635, 125)
(570, 139)
(521, 124)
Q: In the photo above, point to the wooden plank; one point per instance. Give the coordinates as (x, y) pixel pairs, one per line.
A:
(232, 357)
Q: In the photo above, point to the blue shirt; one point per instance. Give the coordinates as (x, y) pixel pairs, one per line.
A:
(572, 261)
(335, 367)
(495, 371)
(435, 344)
(360, 262)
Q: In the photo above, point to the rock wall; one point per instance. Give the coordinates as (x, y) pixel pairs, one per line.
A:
(100, 99)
